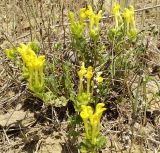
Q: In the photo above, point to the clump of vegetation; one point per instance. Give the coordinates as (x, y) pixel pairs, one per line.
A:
(98, 71)
(93, 139)
(82, 48)
(32, 68)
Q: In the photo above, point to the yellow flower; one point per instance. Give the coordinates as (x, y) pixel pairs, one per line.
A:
(100, 109)
(30, 58)
(86, 112)
(127, 15)
(116, 9)
(89, 12)
(90, 111)
(82, 71)
(34, 66)
(99, 106)
(98, 17)
(89, 74)
(117, 15)
(26, 49)
(131, 8)
(94, 19)
(37, 62)
(87, 109)
(82, 14)
(132, 20)
(84, 115)
(94, 120)
(26, 53)
(99, 79)
(71, 16)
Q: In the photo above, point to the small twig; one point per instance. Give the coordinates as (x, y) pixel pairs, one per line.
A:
(38, 146)
(6, 135)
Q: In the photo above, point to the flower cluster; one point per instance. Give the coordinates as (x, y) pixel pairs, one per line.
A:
(117, 15)
(32, 67)
(92, 122)
(129, 20)
(128, 15)
(84, 97)
(94, 19)
(77, 27)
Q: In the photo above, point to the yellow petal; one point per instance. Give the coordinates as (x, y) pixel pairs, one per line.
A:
(89, 74)
(82, 14)
(82, 71)
(84, 115)
(99, 106)
(89, 12)
(94, 120)
(87, 110)
(127, 14)
(99, 79)
(116, 9)
(100, 109)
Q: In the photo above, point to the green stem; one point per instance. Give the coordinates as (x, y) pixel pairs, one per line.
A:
(30, 80)
(36, 79)
(80, 86)
(93, 135)
(41, 77)
(88, 85)
(86, 129)
(116, 21)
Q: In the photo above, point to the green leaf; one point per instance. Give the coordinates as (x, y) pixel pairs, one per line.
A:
(35, 46)
(10, 53)
(101, 141)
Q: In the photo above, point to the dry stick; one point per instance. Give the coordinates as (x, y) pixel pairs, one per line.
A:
(158, 20)
(14, 20)
(144, 86)
(29, 20)
(101, 5)
(143, 17)
(64, 34)
(11, 42)
(135, 104)
(49, 34)
(6, 135)
(142, 26)
(27, 16)
(42, 24)
(50, 23)
(111, 6)
(38, 146)
(7, 16)
(32, 11)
